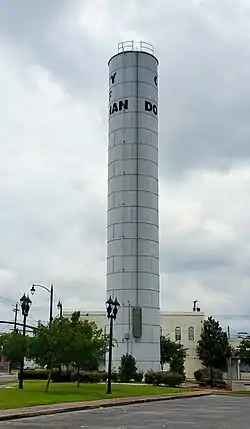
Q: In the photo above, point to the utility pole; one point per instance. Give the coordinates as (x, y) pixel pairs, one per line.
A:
(229, 364)
(16, 309)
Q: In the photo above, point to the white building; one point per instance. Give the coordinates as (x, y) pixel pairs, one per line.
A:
(184, 327)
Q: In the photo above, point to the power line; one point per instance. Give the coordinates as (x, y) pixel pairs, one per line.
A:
(4, 327)
(7, 300)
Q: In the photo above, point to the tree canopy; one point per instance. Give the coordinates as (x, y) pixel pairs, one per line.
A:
(66, 341)
(243, 351)
(174, 354)
(213, 347)
(14, 346)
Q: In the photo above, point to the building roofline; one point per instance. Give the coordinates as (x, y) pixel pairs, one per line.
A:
(161, 313)
(85, 312)
(181, 313)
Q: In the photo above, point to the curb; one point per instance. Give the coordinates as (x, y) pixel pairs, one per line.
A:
(116, 402)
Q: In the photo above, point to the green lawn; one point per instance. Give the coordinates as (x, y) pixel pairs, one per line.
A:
(34, 394)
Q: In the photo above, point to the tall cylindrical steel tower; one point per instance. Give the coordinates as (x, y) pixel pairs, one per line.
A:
(133, 224)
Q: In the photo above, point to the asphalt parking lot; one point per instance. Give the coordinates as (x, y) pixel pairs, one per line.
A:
(222, 412)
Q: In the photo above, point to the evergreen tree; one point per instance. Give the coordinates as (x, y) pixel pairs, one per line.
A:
(127, 369)
(213, 347)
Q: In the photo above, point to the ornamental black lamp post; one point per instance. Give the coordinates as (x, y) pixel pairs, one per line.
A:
(112, 310)
(51, 292)
(25, 306)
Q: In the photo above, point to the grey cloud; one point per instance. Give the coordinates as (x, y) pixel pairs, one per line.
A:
(196, 251)
(204, 82)
(203, 75)
(41, 32)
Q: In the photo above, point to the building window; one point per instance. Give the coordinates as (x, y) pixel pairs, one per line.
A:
(191, 333)
(177, 333)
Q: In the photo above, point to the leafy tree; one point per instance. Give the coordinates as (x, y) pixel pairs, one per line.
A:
(213, 347)
(50, 345)
(177, 363)
(168, 348)
(243, 351)
(88, 343)
(174, 354)
(14, 346)
(68, 342)
(127, 369)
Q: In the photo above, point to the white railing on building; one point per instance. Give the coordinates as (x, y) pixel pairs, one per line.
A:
(130, 45)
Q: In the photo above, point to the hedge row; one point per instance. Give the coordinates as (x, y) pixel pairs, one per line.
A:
(160, 377)
(71, 376)
(35, 374)
(65, 376)
(151, 377)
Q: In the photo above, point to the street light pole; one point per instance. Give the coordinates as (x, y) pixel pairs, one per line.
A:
(110, 355)
(112, 310)
(51, 292)
(51, 304)
(25, 306)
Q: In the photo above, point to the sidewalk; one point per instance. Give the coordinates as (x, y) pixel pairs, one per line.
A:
(40, 410)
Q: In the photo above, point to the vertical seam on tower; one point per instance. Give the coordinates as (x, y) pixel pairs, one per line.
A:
(137, 185)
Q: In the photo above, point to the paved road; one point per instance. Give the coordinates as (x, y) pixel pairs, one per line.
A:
(7, 377)
(213, 412)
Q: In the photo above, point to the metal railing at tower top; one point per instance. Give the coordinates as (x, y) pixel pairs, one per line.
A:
(130, 45)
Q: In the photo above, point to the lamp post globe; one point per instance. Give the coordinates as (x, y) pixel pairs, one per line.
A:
(32, 290)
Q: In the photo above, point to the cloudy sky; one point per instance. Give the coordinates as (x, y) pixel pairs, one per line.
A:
(53, 141)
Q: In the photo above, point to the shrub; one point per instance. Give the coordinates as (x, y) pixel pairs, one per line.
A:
(88, 377)
(157, 378)
(203, 374)
(171, 379)
(153, 377)
(167, 378)
(95, 377)
(220, 384)
(149, 377)
(127, 369)
(218, 374)
(104, 375)
(114, 376)
(198, 375)
(138, 377)
(61, 377)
